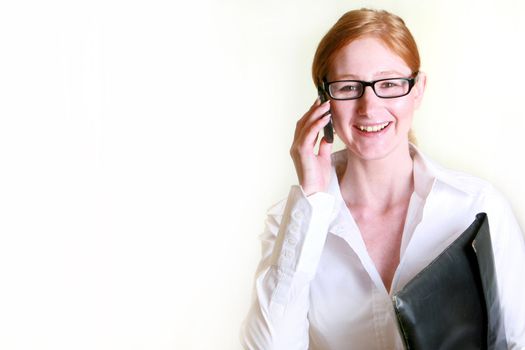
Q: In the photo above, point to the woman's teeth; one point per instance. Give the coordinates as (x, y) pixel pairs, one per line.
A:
(373, 128)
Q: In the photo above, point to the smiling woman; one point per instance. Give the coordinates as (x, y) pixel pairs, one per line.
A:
(357, 118)
(365, 221)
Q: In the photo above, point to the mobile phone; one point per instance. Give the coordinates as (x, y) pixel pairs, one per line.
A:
(328, 129)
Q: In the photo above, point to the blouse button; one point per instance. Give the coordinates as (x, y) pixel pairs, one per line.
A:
(294, 228)
(292, 241)
(297, 214)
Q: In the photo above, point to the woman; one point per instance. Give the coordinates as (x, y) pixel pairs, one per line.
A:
(365, 220)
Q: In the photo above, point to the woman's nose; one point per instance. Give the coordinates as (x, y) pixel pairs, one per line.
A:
(367, 102)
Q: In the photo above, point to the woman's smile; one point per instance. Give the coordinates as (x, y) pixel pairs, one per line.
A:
(376, 128)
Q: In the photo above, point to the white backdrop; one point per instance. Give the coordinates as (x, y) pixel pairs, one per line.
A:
(141, 143)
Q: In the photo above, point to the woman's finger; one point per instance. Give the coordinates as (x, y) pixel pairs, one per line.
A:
(316, 111)
(310, 133)
(311, 118)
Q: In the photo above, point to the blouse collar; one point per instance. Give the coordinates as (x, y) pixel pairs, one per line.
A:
(425, 171)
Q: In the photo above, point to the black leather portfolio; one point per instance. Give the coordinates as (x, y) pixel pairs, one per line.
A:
(453, 303)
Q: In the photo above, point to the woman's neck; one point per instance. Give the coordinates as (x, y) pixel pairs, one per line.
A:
(378, 185)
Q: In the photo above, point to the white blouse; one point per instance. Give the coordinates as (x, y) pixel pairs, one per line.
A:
(316, 286)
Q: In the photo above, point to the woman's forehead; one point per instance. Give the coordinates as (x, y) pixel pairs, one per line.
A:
(366, 57)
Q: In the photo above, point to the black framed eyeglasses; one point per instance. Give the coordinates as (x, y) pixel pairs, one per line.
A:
(383, 88)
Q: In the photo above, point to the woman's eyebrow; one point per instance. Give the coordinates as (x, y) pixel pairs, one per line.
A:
(388, 72)
(380, 73)
(349, 76)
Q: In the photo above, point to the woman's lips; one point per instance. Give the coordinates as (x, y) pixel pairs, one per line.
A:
(374, 129)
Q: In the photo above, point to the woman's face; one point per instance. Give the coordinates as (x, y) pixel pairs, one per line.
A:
(369, 59)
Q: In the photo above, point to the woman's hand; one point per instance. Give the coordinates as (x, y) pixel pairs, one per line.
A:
(313, 170)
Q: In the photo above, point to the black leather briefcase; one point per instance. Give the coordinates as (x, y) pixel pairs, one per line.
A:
(453, 303)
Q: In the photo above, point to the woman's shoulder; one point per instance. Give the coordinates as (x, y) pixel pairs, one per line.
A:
(462, 181)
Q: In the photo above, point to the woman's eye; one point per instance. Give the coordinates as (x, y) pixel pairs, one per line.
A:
(348, 88)
(388, 84)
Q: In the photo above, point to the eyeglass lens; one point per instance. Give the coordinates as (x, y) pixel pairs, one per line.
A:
(384, 88)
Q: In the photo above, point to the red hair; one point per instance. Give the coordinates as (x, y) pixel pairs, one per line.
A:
(387, 27)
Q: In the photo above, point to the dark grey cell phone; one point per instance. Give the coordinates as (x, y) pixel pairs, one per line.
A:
(328, 129)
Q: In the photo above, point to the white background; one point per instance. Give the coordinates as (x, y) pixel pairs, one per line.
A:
(141, 143)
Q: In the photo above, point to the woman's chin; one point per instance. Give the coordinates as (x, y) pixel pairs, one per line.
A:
(379, 149)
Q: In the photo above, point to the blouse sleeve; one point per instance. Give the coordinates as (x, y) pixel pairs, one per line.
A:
(292, 243)
(509, 259)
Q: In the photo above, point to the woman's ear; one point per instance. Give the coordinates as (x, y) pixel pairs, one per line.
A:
(421, 82)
